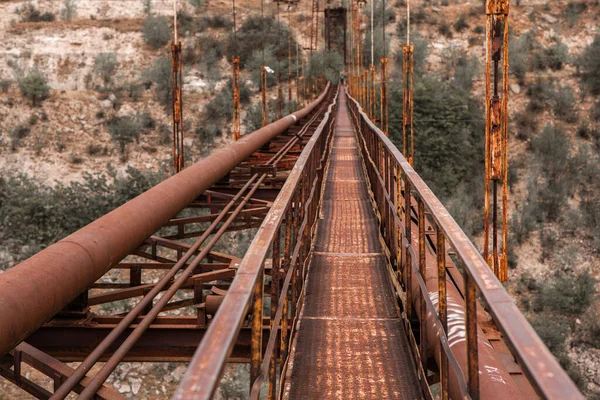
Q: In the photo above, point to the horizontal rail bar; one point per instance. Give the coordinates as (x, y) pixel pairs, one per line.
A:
(204, 372)
(541, 368)
(32, 292)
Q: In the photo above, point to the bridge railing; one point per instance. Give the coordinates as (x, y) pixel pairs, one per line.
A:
(286, 236)
(405, 202)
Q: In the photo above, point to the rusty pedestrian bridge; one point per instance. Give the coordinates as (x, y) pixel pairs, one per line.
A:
(357, 283)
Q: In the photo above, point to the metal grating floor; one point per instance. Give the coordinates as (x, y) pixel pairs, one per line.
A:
(351, 344)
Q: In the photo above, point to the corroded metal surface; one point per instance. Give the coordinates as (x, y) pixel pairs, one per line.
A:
(351, 344)
(474, 367)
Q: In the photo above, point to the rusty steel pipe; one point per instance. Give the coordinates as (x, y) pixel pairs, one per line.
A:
(32, 292)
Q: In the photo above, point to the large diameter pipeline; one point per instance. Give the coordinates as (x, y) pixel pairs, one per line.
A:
(32, 292)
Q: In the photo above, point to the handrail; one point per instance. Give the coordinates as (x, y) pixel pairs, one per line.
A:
(35, 290)
(543, 371)
(297, 201)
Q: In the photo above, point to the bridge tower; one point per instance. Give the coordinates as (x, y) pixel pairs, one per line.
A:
(336, 28)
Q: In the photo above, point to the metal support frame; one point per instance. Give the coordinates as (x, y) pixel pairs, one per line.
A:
(384, 116)
(440, 279)
(408, 144)
(263, 96)
(236, 98)
(177, 90)
(496, 137)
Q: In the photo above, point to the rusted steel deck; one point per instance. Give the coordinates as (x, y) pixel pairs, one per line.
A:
(351, 342)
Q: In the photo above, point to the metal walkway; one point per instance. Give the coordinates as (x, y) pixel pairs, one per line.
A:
(351, 342)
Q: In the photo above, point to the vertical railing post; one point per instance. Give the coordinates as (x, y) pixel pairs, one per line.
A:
(442, 306)
(286, 266)
(407, 245)
(275, 278)
(423, 274)
(257, 317)
(471, 329)
(399, 232)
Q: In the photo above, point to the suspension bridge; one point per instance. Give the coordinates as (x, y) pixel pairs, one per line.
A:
(357, 283)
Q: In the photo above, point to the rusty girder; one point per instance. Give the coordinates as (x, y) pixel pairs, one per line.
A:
(408, 144)
(286, 233)
(177, 88)
(496, 136)
(384, 114)
(439, 276)
(236, 98)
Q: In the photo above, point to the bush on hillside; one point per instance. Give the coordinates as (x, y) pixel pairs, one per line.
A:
(35, 215)
(156, 31)
(69, 10)
(123, 131)
(448, 125)
(34, 86)
(105, 66)
(552, 163)
(159, 75)
(588, 65)
(328, 63)
(250, 38)
(569, 294)
(29, 13)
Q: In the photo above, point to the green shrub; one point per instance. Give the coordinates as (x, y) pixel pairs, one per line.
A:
(563, 99)
(461, 23)
(552, 165)
(29, 13)
(540, 92)
(573, 10)
(526, 125)
(595, 112)
(255, 63)
(221, 107)
(250, 38)
(448, 125)
(197, 3)
(569, 294)
(466, 70)
(35, 215)
(588, 64)
(147, 5)
(328, 63)
(123, 131)
(552, 330)
(146, 122)
(105, 65)
(519, 49)
(69, 10)
(479, 29)
(444, 29)
(34, 86)
(159, 75)
(4, 85)
(18, 133)
(94, 149)
(156, 31)
(548, 241)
